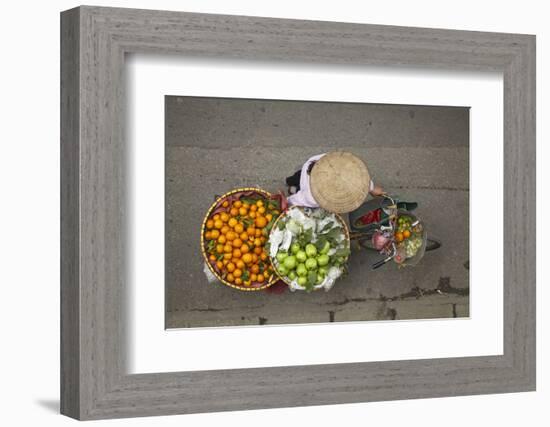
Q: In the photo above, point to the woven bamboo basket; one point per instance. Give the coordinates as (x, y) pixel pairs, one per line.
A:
(214, 271)
(283, 214)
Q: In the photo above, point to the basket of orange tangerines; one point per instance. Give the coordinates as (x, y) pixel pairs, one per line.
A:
(234, 234)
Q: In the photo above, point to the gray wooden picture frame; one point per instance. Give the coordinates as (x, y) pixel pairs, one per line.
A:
(94, 381)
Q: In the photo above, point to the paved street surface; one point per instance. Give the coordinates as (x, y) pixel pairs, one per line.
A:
(418, 153)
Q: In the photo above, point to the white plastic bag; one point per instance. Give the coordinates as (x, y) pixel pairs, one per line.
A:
(209, 275)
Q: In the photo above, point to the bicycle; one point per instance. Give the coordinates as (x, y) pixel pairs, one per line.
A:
(373, 226)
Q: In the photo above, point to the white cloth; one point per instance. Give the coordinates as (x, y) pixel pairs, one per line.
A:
(304, 196)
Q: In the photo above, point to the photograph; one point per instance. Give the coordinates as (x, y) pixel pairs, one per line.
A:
(306, 212)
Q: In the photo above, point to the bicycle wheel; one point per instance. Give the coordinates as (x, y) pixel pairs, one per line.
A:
(366, 244)
(363, 239)
(432, 244)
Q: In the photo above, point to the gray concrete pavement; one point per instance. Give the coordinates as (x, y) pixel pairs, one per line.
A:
(418, 153)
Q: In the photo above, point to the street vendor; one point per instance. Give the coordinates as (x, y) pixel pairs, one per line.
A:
(338, 181)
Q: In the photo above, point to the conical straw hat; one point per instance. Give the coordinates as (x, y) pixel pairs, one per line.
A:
(340, 182)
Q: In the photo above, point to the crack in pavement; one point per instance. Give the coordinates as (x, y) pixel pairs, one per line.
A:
(217, 309)
(348, 300)
(443, 287)
(428, 187)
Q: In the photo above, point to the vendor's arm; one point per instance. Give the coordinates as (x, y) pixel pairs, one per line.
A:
(376, 190)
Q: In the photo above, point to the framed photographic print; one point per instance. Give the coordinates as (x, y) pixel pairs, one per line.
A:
(262, 213)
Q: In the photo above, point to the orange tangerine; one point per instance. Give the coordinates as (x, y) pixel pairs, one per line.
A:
(240, 264)
(227, 256)
(259, 203)
(225, 203)
(231, 235)
(237, 253)
(261, 210)
(255, 268)
(250, 230)
(214, 234)
(208, 235)
(233, 212)
(232, 222)
(224, 229)
(212, 258)
(253, 208)
(237, 243)
(219, 248)
(254, 277)
(210, 224)
(261, 222)
(230, 278)
(258, 232)
(243, 236)
(237, 204)
(218, 223)
(245, 249)
(219, 264)
(252, 215)
(238, 281)
(238, 272)
(222, 239)
(269, 217)
(247, 258)
(228, 248)
(238, 228)
(224, 217)
(254, 257)
(257, 250)
(257, 242)
(263, 256)
(261, 278)
(230, 267)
